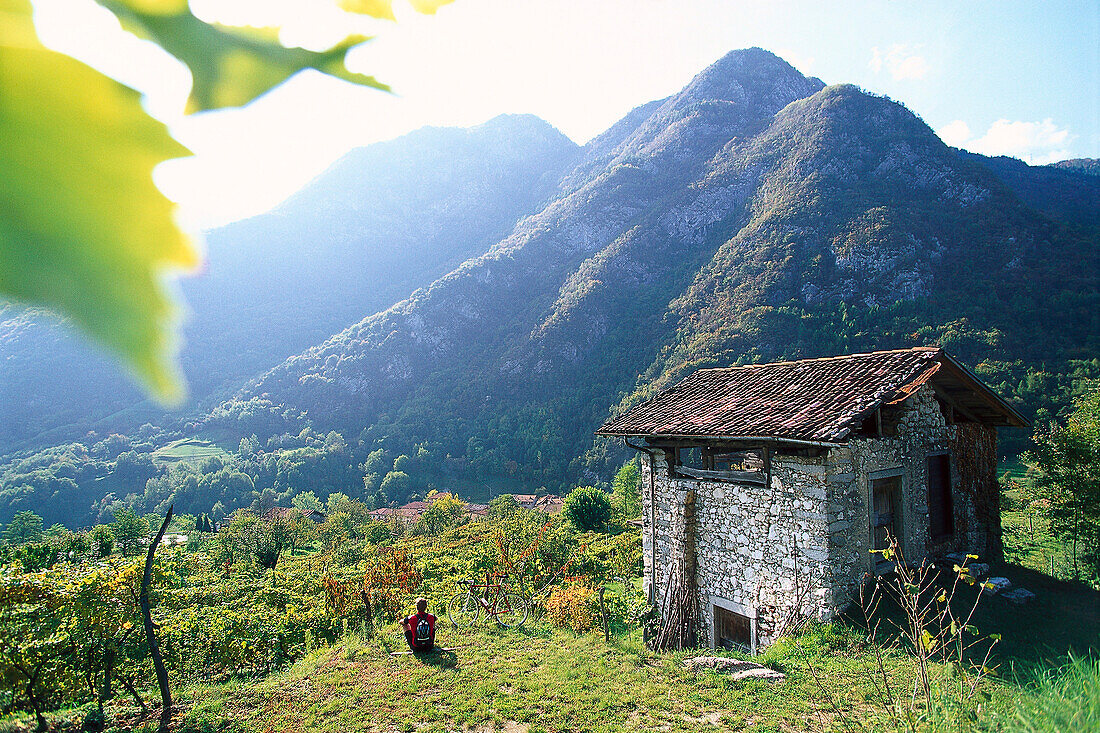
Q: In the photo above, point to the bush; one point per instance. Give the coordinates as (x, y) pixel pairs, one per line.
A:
(573, 606)
(588, 508)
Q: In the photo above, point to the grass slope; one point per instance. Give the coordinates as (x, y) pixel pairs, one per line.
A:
(188, 449)
(523, 680)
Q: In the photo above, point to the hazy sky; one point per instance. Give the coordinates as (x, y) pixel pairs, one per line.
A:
(996, 77)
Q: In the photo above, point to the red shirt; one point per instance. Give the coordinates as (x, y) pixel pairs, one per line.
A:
(410, 623)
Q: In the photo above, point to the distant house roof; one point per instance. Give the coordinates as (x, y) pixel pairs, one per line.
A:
(525, 500)
(550, 503)
(818, 400)
(280, 512)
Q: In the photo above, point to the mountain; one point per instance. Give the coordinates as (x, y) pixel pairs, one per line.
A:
(379, 223)
(755, 215)
(500, 312)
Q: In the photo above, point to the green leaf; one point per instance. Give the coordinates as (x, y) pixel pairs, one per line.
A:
(927, 640)
(229, 66)
(83, 230)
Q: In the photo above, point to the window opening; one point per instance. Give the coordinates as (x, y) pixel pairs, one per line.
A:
(941, 510)
(886, 510)
(732, 630)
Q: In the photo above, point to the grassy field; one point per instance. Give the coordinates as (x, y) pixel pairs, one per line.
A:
(187, 449)
(536, 680)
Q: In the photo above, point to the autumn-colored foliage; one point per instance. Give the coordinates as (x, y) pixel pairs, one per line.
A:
(573, 606)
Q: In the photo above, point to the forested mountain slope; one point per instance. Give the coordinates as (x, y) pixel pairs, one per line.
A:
(379, 223)
(755, 215)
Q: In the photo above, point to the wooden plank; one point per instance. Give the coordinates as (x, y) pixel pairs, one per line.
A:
(747, 477)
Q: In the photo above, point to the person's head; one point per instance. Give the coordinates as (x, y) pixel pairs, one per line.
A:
(421, 605)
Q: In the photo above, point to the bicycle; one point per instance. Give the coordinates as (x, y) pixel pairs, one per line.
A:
(508, 608)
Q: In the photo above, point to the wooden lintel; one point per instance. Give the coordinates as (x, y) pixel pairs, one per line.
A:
(737, 477)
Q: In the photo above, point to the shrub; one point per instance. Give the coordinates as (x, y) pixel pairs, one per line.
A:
(588, 508)
(573, 606)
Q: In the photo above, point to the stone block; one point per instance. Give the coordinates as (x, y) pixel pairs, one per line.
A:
(994, 586)
(1019, 596)
(978, 569)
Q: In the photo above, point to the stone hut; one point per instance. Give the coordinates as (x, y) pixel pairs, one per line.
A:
(765, 487)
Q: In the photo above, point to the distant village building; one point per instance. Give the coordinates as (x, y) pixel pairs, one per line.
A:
(526, 501)
(290, 512)
(767, 486)
(550, 504)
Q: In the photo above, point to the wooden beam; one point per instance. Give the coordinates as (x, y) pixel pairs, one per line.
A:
(954, 405)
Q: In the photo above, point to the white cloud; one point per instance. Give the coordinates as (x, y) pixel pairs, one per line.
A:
(902, 61)
(1037, 143)
(955, 133)
(798, 60)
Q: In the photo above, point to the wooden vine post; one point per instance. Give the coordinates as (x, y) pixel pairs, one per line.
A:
(603, 617)
(150, 635)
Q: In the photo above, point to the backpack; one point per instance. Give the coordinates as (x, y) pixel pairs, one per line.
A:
(423, 632)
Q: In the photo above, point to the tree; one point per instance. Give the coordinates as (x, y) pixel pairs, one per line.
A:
(306, 501)
(34, 642)
(24, 527)
(441, 515)
(626, 490)
(588, 508)
(129, 531)
(1066, 465)
(396, 485)
(102, 540)
(503, 506)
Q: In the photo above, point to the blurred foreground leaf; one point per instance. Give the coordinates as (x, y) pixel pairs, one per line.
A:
(83, 230)
(230, 66)
(384, 8)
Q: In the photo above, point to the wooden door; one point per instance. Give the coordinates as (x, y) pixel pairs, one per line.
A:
(885, 510)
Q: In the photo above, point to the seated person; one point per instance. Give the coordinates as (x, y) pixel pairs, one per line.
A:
(420, 628)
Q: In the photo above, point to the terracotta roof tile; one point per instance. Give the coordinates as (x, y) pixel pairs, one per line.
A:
(812, 399)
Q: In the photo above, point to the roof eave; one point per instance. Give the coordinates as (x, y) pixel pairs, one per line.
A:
(730, 438)
(961, 371)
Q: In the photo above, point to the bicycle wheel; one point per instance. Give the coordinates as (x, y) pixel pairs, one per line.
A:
(510, 609)
(463, 609)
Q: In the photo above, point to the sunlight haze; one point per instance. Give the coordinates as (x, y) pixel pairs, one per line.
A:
(995, 78)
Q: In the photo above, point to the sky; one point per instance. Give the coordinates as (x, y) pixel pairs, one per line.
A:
(996, 77)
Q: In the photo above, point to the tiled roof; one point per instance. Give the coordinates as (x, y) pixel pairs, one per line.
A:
(809, 400)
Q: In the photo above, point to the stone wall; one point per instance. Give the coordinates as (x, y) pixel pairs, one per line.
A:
(919, 432)
(801, 544)
(760, 550)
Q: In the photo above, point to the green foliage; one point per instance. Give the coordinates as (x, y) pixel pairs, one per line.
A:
(307, 501)
(1063, 699)
(626, 490)
(85, 231)
(26, 526)
(588, 508)
(1066, 478)
(441, 515)
(503, 506)
(130, 532)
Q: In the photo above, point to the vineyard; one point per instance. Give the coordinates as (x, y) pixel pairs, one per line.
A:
(225, 607)
(271, 624)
